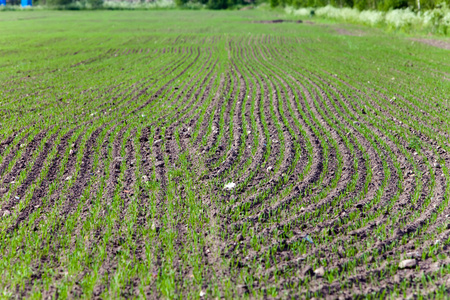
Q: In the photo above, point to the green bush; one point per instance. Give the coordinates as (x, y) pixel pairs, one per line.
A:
(360, 4)
(392, 4)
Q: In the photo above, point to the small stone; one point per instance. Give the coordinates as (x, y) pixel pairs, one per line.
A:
(407, 263)
(248, 132)
(434, 267)
(6, 213)
(159, 163)
(229, 186)
(202, 293)
(319, 272)
(269, 169)
(68, 178)
(436, 165)
(413, 254)
(144, 178)
(157, 142)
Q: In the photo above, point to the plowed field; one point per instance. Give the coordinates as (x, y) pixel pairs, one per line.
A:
(200, 154)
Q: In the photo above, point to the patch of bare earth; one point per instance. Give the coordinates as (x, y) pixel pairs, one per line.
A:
(435, 43)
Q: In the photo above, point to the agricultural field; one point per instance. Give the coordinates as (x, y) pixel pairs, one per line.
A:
(206, 154)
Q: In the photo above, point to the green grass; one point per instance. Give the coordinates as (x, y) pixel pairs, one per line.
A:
(120, 129)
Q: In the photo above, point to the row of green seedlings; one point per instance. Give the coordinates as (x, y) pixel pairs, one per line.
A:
(249, 129)
(193, 258)
(58, 231)
(132, 100)
(255, 144)
(195, 107)
(252, 129)
(72, 236)
(166, 277)
(175, 106)
(77, 228)
(23, 200)
(116, 286)
(285, 177)
(266, 140)
(222, 96)
(20, 143)
(165, 280)
(241, 90)
(89, 280)
(267, 89)
(26, 236)
(201, 107)
(118, 214)
(227, 106)
(17, 274)
(409, 157)
(55, 97)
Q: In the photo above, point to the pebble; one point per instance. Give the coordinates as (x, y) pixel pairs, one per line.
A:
(6, 213)
(229, 186)
(269, 169)
(407, 263)
(413, 254)
(319, 272)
